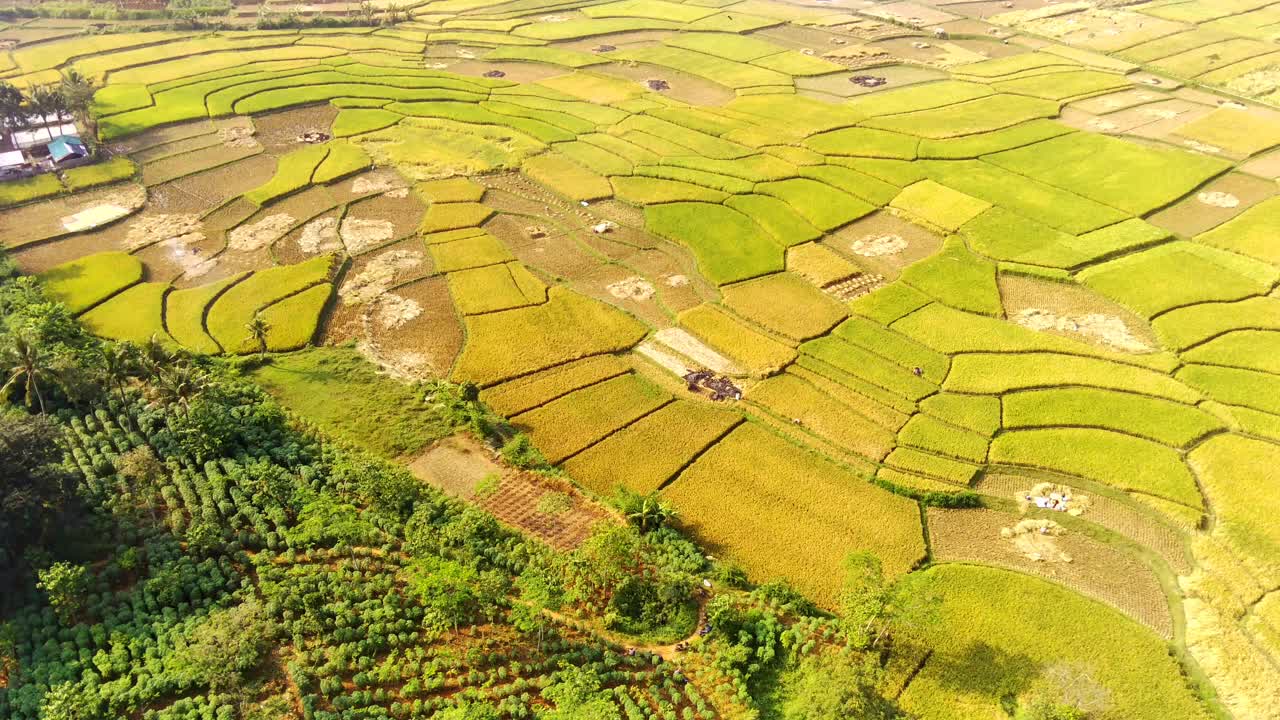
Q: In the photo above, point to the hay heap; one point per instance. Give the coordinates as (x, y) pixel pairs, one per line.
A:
(1051, 496)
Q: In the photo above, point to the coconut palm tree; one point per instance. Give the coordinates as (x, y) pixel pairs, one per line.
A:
(45, 100)
(258, 328)
(116, 364)
(179, 384)
(25, 364)
(77, 91)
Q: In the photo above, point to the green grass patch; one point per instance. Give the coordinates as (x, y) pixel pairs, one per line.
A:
(632, 153)
(234, 309)
(494, 287)
(870, 367)
(451, 190)
(655, 191)
(1122, 174)
(1235, 386)
(981, 115)
(893, 346)
(786, 225)
(957, 278)
(822, 205)
(453, 216)
(727, 245)
(567, 327)
(1178, 274)
(756, 168)
(756, 352)
(865, 142)
(797, 64)
(889, 303)
(1249, 349)
(357, 121)
(1253, 233)
(17, 192)
(1111, 458)
(346, 396)
(1187, 326)
(657, 9)
(715, 181)
(525, 393)
(995, 373)
(875, 191)
(567, 177)
(1043, 203)
(572, 29)
(818, 263)
(627, 458)
(978, 413)
(949, 470)
(117, 98)
(700, 143)
(922, 96)
(974, 146)
(292, 321)
(293, 173)
(136, 314)
(546, 55)
(798, 114)
(84, 282)
(939, 205)
(87, 176)
(1163, 421)
(728, 46)
(927, 433)
(483, 249)
(1012, 65)
(343, 159)
(1003, 235)
(595, 158)
(584, 417)
(784, 304)
(1062, 86)
(184, 314)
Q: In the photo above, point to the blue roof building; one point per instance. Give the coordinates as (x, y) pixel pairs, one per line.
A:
(67, 147)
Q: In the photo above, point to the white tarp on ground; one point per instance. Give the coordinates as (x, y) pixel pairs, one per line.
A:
(94, 216)
(41, 136)
(13, 158)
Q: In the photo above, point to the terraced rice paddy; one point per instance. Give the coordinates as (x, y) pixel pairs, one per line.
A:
(1047, 256)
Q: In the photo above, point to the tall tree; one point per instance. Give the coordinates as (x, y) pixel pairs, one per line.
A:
(116, 363)
(47, 102)
(836, 686)
(12, 114)
(875, 609)
(35, 491)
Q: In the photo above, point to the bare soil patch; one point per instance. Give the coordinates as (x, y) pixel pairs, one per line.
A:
(393, 216)
(1265, 166)
(38, 258)
(220, 184)
(188, 163)
(456, 465)
(518, 501)
(421, 346)
(278, 131)
(1214, 204)
(1074, 311)
(697, 351)
(520, 72)
(162, 135)
(883, 244)
(1085, 565)
(260, 233)
(824, 87)
(376, 273)
(177, 147)
(371, 182)
(42, 220)
(1116, 101)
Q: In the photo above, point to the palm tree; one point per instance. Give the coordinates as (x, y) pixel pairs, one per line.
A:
(25, 364)
(116, 363)
(45, 100)
(258, 329)
(154, 356)
(179, 384)
(77, 91)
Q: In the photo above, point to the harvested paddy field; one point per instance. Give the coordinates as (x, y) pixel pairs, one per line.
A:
(824, 278)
